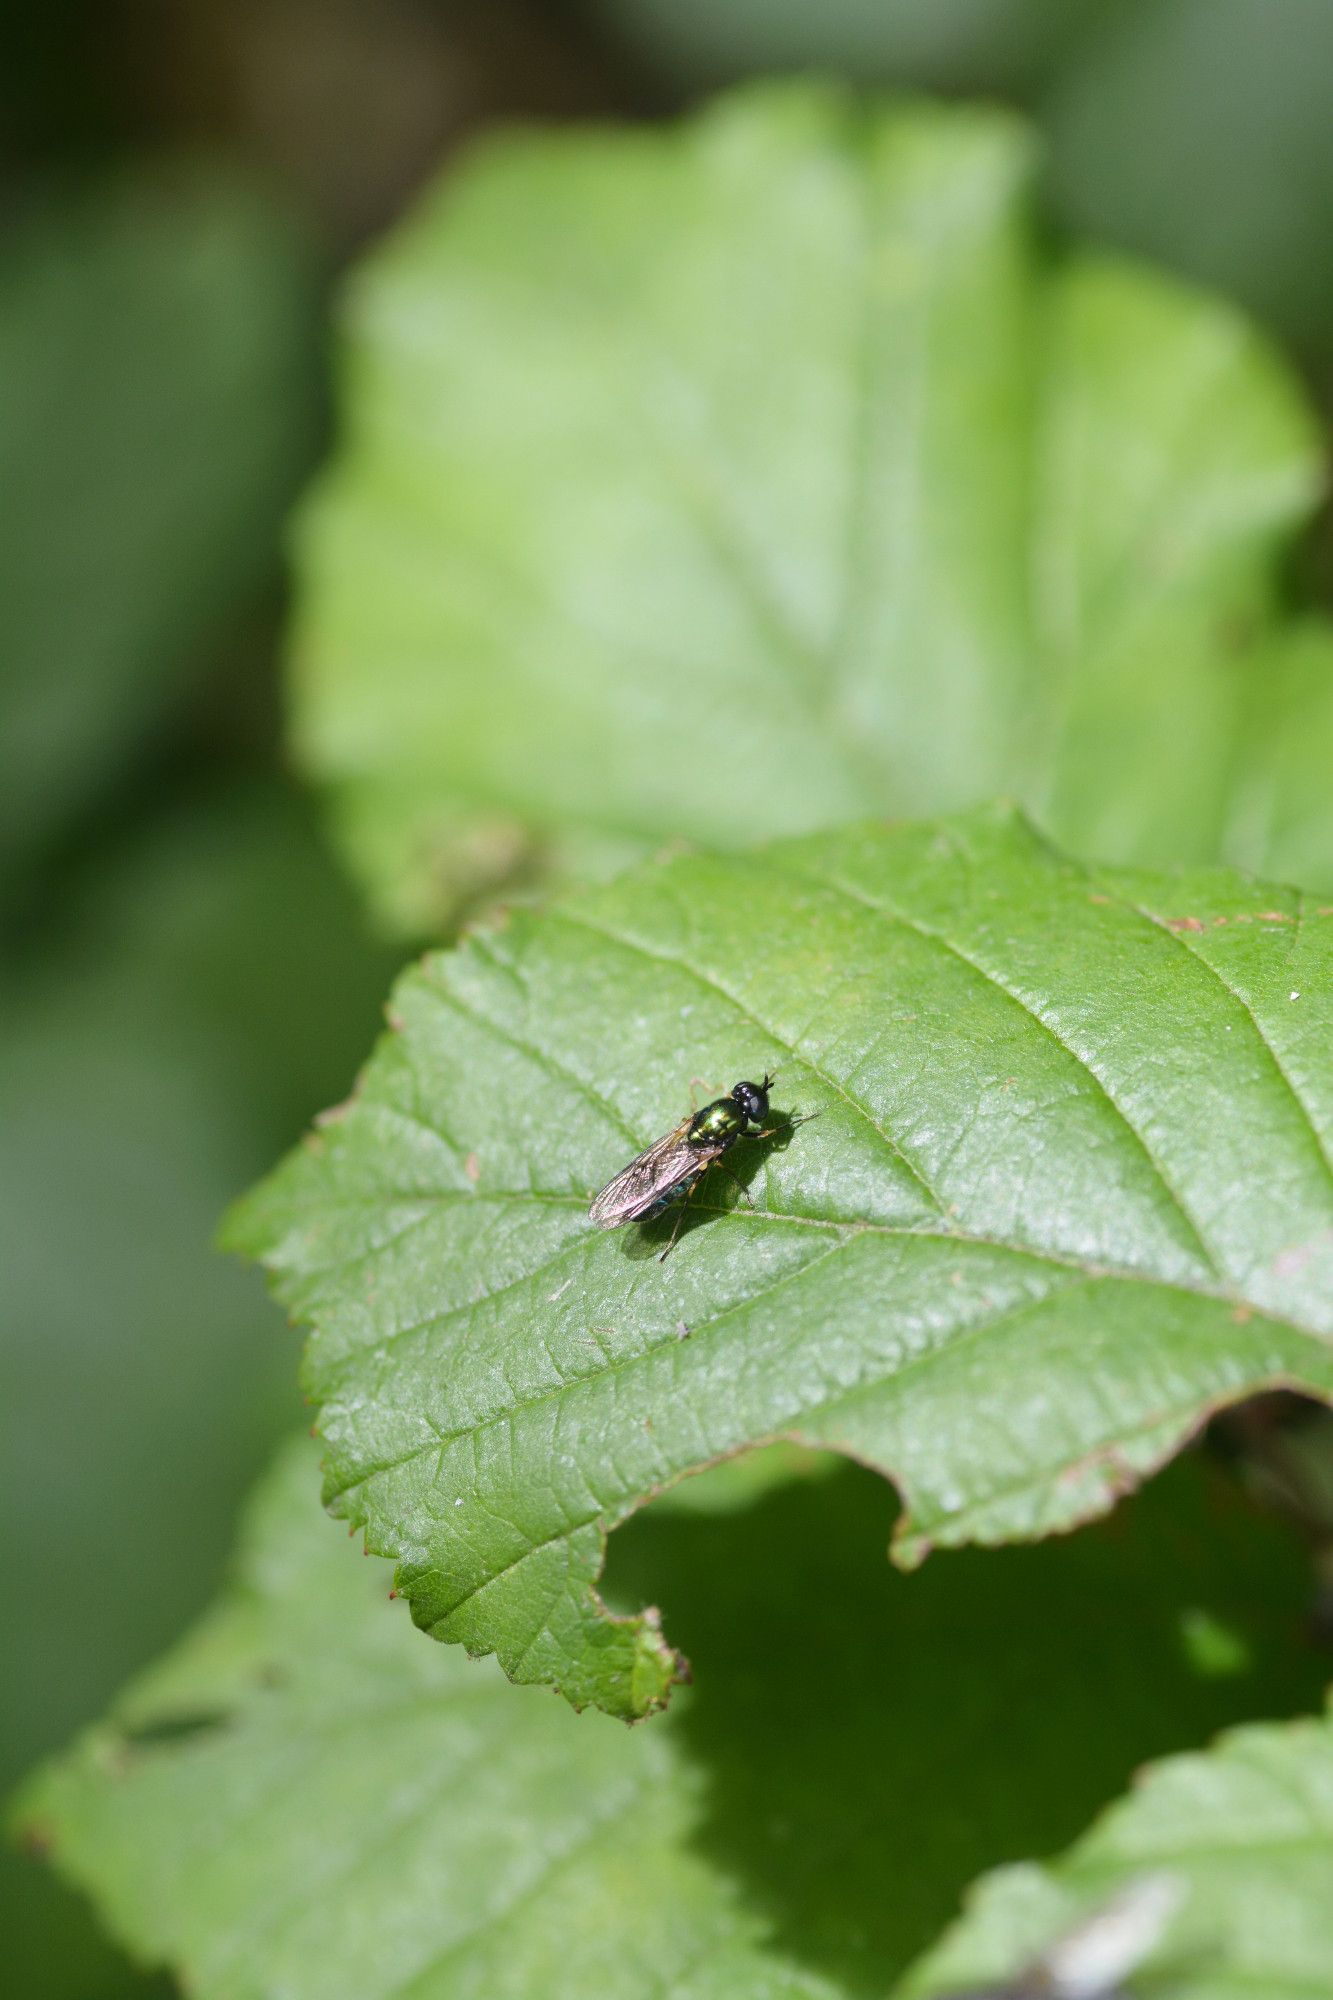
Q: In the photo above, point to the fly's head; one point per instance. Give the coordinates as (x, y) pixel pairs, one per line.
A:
(751, 1100)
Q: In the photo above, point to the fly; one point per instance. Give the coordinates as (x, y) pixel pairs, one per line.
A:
(676, 1162)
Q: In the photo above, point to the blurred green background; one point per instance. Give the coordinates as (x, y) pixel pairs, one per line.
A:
(182, 185)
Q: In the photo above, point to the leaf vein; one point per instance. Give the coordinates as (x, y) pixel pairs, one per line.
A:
(1303, 1110)
(892, 914)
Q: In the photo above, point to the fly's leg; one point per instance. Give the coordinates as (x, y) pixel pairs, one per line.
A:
(697, 1084)
(680, 1218)
(787, 1125)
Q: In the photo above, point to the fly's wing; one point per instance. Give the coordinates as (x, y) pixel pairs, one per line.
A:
(644, 1182)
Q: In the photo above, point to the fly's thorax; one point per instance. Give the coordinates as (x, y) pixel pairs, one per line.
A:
(717, 1124)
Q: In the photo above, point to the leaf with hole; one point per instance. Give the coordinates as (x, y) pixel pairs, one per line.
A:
(1069, 1189)
(303, 1800)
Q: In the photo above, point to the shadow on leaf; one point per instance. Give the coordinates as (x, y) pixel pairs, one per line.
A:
(724, 1185)
(873, 1741)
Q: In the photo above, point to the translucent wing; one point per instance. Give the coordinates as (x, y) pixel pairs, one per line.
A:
(639, 1187)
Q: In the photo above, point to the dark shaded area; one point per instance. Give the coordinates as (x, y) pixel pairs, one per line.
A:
(838, 1800)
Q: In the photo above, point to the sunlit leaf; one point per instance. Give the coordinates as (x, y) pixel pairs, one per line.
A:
(746, 477)
(1068, 1190)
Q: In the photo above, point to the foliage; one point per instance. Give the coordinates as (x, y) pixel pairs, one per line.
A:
(202, 991)
(717, 482)
(1246, 1832)
(744, 477)
(304, 1799)
(1023, 1251)
(157, 330)
(1195, 132)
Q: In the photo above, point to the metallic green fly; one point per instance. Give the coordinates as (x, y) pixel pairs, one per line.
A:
(672, 1166)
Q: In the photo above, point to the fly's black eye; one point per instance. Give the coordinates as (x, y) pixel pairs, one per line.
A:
(752, 1099)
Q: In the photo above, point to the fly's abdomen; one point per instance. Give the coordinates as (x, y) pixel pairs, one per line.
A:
(676, 1193)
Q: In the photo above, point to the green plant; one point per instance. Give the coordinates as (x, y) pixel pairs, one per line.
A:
(728, 483)
(740, 478)
(306, 1798)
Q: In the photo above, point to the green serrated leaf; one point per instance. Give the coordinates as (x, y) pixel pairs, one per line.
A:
(303, 1801)
(1068, 1190)
(742, 478)
(1244, 1833)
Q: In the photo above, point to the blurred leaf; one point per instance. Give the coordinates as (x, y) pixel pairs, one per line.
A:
(1245, 1829)
(1191, 131)
(207, 990)
(741, 478)
(1281, 798)
(161, 385)
(1197, 131)
(304, 1801)
(1069, 1190)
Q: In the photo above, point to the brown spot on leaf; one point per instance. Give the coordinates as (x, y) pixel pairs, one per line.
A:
(1107, 1462)
(1184, 923)
(472, 1167)
(1274, 917)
